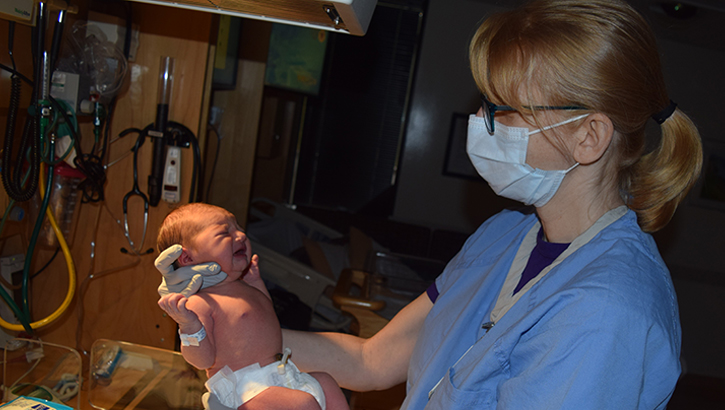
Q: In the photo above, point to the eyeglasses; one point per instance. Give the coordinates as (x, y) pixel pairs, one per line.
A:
(489, 110)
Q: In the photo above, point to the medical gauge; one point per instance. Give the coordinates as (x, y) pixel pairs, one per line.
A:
(172, 175)
(166, 82)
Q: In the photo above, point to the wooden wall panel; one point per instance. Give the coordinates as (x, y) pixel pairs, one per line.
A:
(232, 180)
(120, 289)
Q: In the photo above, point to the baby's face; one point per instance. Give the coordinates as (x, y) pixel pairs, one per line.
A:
(222, 241)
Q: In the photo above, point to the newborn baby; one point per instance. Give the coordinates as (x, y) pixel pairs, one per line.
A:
(229, 327)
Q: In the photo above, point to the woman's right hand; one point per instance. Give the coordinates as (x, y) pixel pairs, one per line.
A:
(361, 364)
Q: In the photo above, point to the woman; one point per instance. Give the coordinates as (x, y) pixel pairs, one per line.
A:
(570, 306)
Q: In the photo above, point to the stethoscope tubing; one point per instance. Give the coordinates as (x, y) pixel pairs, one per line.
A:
(136, 191)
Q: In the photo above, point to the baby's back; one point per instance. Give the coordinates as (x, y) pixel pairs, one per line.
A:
(245, 326)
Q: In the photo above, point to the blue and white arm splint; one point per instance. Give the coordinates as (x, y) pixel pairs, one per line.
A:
(186, 280)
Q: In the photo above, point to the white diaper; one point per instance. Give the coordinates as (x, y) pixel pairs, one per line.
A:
(232, 389)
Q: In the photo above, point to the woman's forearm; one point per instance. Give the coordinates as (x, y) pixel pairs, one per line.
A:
(338, 354)
(363, 364)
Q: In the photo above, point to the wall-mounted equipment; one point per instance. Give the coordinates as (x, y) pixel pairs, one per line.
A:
(166, 82)
(22, 11)
(172, 176)
(346, 16)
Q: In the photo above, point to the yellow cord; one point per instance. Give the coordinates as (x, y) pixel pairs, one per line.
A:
(71, 270)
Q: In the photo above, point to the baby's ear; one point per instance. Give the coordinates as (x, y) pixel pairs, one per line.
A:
(185, 258)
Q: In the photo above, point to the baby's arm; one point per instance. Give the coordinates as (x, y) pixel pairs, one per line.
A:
(202, 356)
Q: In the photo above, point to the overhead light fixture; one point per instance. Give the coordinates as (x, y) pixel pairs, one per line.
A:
(345, 16)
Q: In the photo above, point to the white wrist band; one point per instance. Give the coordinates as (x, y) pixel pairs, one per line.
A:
(192, 340)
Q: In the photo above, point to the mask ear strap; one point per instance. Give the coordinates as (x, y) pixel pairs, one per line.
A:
(579, 117)
(571, 167)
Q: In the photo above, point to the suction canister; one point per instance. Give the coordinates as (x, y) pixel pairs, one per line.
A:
(64, 203)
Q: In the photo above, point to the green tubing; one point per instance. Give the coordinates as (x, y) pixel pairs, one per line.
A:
(33, 240)
(8, 300)
(18, 314)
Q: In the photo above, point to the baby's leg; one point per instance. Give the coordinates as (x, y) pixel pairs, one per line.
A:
(334, 398)
(282, 398)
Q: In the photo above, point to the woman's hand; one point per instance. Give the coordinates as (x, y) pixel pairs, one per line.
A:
(186, 280)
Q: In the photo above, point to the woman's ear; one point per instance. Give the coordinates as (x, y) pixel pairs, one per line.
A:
(593, 138)
(185, 259)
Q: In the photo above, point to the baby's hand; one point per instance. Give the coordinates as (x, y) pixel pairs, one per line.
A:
(253, 278)
(175, 305)
(252, 274)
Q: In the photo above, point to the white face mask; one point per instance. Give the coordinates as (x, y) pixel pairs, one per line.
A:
(501, 160)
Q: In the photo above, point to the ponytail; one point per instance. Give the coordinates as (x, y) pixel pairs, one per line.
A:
(660, 180)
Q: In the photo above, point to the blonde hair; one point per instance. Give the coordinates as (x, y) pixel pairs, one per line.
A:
(599, 54)
(179, 228)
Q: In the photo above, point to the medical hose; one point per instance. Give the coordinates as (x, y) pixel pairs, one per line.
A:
(22, 77)
(11, 175)
(57, 36)
(8, 300)
(31, 144)
(71, 274)
(25, 323)
(92, 167)
(44, 267)
(33, 241)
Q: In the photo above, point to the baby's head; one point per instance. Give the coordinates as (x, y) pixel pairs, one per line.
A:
(207, 233)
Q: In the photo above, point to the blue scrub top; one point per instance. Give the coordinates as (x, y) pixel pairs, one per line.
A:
(599, 331)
